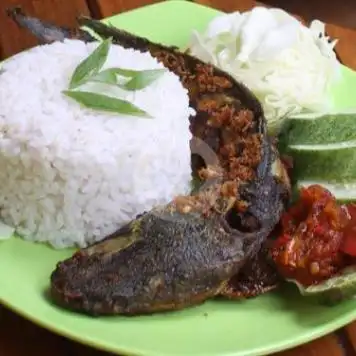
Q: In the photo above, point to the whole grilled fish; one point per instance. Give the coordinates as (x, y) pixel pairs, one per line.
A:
(186, 252)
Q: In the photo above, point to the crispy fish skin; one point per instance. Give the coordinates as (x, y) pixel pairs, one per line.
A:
(163, 260)
(186, 252)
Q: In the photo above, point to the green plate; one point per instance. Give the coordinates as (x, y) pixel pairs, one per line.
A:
(260, 326)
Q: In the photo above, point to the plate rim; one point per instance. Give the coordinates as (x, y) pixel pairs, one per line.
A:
(91, 341)
(87, 340)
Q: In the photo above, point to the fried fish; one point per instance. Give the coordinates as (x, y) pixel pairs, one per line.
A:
(194, 248)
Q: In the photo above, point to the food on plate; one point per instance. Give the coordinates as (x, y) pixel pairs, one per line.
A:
(318, 129)
(259, 275)
(6, 231)
(182, 253)
(334, 290)
(316, 245)
(323, 150)
(71, 175)
(164, 260)
(288, 66)
(227, 230)
(308, 247)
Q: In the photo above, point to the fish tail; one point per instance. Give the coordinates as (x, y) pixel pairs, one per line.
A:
(45, 32)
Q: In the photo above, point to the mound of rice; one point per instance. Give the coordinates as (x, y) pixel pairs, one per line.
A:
(70, 175)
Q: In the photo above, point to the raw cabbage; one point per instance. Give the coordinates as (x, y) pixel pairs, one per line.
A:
(6, 231)
(288, 66)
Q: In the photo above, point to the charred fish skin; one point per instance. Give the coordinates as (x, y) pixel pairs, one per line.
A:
(161, 261)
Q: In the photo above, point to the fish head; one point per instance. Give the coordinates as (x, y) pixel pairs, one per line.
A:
(163, 260)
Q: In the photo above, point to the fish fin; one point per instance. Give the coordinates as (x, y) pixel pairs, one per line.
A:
(121, 37)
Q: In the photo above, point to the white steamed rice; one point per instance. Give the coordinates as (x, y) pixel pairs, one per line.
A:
(70, 175)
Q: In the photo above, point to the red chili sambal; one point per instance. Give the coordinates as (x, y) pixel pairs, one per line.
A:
(308, 248)
(348, 245)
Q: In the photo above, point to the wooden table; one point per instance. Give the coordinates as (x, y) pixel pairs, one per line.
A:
(19, 337)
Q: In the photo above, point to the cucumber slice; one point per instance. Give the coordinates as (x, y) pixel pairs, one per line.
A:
(335, 163)
(333, 290)
(323, 130)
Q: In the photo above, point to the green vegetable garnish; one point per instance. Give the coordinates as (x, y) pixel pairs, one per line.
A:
(333, 290)
(126, 72)
(89, 71)
(105, 103)
(143, 79)
(91, 65)
(110, 76)
(139, 78)
(107, 76)
(322, 147)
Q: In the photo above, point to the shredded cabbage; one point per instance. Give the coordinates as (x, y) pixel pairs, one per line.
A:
(6, 231)
(288, 66)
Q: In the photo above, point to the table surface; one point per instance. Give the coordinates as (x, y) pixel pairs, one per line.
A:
(19, 337)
